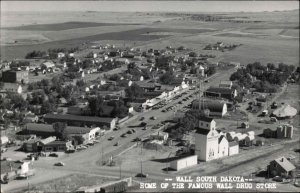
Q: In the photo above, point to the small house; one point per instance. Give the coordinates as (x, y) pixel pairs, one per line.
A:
(281, 167)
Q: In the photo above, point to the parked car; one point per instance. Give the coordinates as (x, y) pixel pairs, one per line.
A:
(111, 138)
(142, 118)
(53, 155)
(116, 144)
(124, 135)
(153, 118)
(141, 175)
(143, 124)
(129, 132)
(278, 179)
(59, 164)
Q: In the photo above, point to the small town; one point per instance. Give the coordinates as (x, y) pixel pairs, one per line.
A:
(107, 116)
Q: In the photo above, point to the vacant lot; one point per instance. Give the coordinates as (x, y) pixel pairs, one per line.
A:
(69, 183)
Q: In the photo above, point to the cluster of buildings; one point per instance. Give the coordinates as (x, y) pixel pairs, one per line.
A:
(48, 137)
(210, 144)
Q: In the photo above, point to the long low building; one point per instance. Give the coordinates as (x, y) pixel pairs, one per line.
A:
(76, 120)
(216, 108)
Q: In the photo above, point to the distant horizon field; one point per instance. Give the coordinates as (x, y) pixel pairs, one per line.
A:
(63, 26)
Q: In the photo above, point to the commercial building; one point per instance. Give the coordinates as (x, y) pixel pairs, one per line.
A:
(216, 108)
(218, 92)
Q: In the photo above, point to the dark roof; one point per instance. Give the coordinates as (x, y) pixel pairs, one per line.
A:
(202, 131)
(78, 118)
(39, 127)
(232, 143)
(77, 130)
(49, 128)
(214, 106)
(220, 90)
(57, 143)
(206, 119)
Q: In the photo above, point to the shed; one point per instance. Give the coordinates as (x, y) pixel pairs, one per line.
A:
(233, 148)
(184, 162)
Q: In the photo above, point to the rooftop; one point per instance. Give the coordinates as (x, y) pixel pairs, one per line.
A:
(78, 118)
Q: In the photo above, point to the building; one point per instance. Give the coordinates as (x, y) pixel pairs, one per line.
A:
(60, 146)
(48, 64)
(270, 133)
(223, 146)
(46, 130)
(60, 55)
(245, 125)
(161, 136)
(206, 139)
(285, 131)
(216, 108)
(36, 145)
(4, 140)
(249, 140)
(225, 84)
(233, 148)
(31, 118)
(182, 163)
(281, 167)
(226, 93)
(75, 120)
(15, 76)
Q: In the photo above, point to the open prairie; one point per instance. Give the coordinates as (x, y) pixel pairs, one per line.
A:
(265, 36)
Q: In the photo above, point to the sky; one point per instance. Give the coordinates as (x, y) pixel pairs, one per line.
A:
(150, 6)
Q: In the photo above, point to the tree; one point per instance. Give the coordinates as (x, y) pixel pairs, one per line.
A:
(47, 107)
(96, 105)
(134, 91)
(193, 54)
(60, 129)
(167, 78)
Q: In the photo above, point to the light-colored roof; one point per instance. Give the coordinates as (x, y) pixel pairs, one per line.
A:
(48, 140)
(285, 111)
(285, 164)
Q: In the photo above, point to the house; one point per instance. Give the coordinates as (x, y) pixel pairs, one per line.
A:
(15, 76)
(11, 88)
(182, 163)
(216, 108)
(218, 92)
(245, 125)
(30, 118)
(223, 146)
(281, 167)
(76, 120)
(233, 148)
(4, 140)
(48, 64)
(60, 55)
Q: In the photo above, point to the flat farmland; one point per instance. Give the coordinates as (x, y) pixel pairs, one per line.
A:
(63, 26)
(142, 34)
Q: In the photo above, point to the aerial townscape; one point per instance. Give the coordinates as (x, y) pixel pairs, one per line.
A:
(99, 102)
